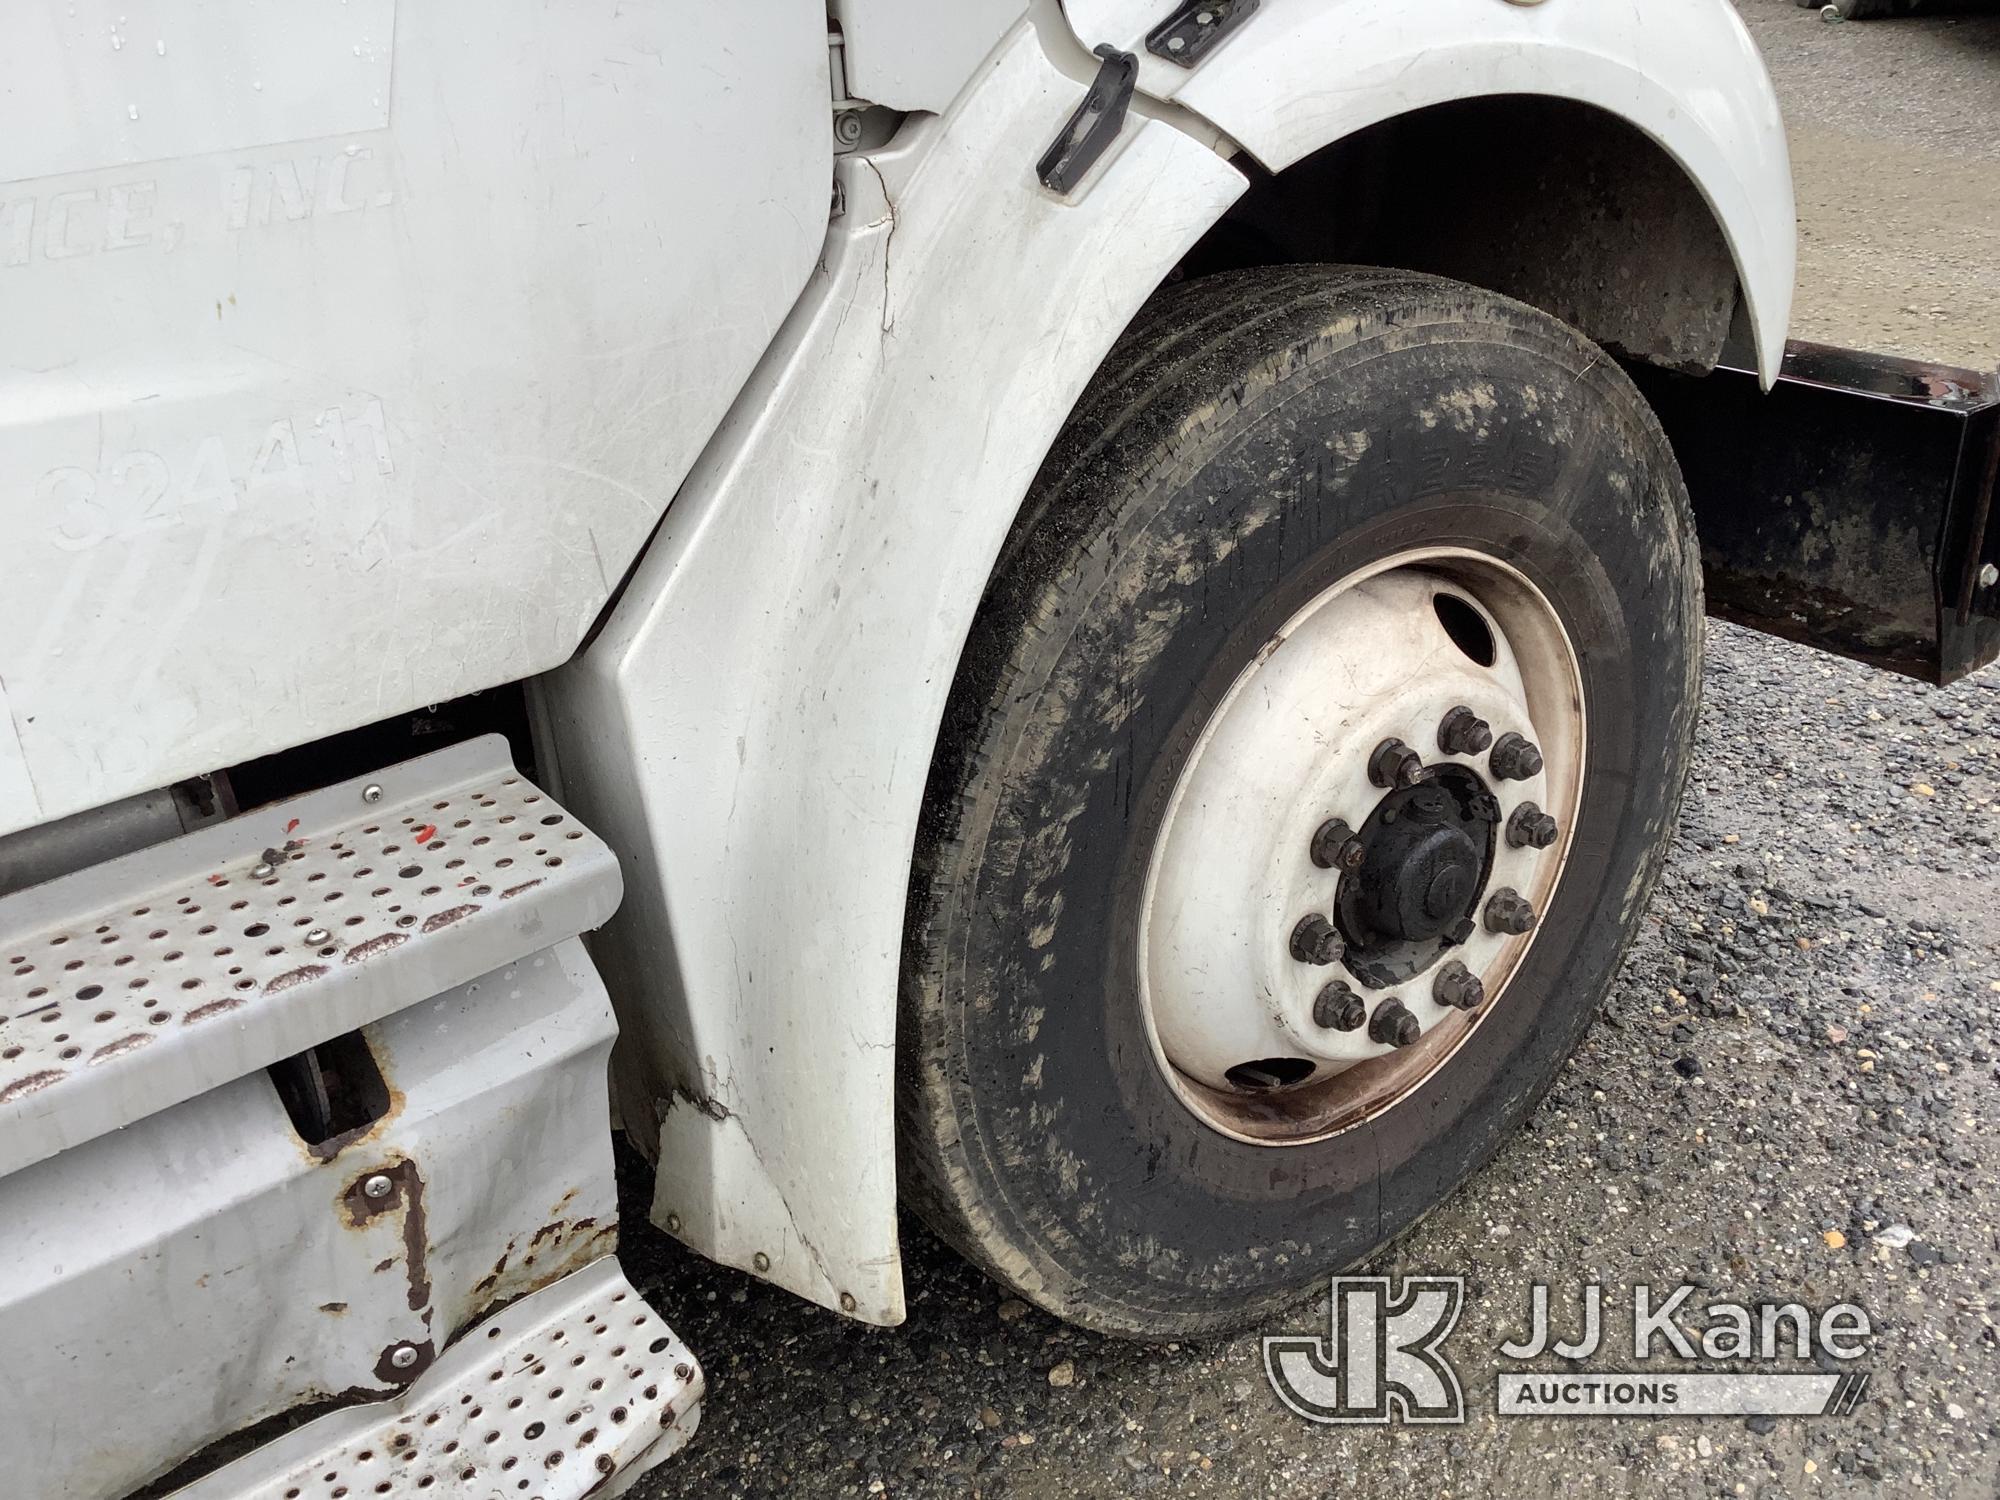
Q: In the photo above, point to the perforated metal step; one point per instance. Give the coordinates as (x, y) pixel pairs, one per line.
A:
(138, 983)
(573, 1391)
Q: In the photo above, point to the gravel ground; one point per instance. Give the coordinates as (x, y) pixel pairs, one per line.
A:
(1895, 135)
(1790, 1094)
(1801, 1050)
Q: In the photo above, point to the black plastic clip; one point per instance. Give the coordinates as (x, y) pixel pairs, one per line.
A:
(1095, 124)
(1192, 31)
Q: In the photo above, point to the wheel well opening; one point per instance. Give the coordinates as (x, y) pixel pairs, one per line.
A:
(1559, 204)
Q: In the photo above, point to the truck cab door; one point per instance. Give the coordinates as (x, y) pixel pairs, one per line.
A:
(349, 353)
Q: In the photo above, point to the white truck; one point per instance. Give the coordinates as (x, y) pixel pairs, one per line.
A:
(896, 559)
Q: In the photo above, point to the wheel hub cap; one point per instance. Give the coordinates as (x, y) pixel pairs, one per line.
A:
(1409, 651)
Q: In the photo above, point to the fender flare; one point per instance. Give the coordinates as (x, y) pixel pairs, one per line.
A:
(752, 727)
(1685, 72)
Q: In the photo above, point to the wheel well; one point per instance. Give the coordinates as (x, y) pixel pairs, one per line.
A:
(1559, 204)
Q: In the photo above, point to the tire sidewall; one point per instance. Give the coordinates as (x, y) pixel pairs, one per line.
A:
(1502, 441)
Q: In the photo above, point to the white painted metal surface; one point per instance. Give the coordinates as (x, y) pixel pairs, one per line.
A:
(576, 1391)
(170, 1284)
(1301, 73)
(782, 659)
(755, 724)
(917, 54)
(139, 983)
(1289, 748)
(352, 351)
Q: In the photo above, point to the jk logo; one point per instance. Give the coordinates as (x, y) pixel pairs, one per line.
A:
(1380, 1361)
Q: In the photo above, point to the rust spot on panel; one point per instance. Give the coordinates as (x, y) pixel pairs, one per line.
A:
(406, 1193)
(385, 1367)
(291, 978)
(446, 918)
(372, 946)
(311, 1404)
(417, 1247)
(325, 1151)
(31, 1084)
(564, 1245)
(213, 1008)
(515, 890)
(123, 1045)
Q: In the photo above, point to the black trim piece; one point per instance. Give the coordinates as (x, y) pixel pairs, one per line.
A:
(1196, 28)
(1094, 126)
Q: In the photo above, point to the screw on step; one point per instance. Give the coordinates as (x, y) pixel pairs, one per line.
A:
(378, 1186)
(371, 793)
(1463, 732)
(1514, 758)
(1334, 846)
(1458, 987)
(1988, 576)
(262, 871)
(1315, 941)
(1508, 911)
(1392, 1025)
(1530, 827)
(403, 1356)
(1338, 1008)
(1395, 764)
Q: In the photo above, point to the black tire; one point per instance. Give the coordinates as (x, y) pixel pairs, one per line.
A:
(1038, 1134)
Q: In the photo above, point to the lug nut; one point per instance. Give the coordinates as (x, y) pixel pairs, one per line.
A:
(1334, 846)
(1395, 764)
(1530, 827)
(1508, 911)
(1315, 941)
(1338, 1008)
(1463, 732)
(1392, 1025)
(1458, 987)
(1514, 758)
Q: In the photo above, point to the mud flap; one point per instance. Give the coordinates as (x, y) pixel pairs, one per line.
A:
(1850, 508)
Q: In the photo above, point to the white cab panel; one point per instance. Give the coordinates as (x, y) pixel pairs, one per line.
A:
(918, 54)
(349, 353)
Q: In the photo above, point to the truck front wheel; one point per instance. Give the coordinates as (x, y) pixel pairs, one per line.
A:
(1305, 778)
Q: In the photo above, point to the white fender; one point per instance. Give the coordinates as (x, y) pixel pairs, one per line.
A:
(753, 726)
(1300, 73)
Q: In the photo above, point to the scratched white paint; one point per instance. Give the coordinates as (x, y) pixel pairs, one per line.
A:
(18, 806)
(296, 436)
(105, 83)
(753, 728)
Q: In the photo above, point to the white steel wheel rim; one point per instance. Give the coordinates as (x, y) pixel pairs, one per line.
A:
(1288, 748)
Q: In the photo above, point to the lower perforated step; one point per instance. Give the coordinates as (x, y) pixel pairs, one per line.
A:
(573, 1391)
